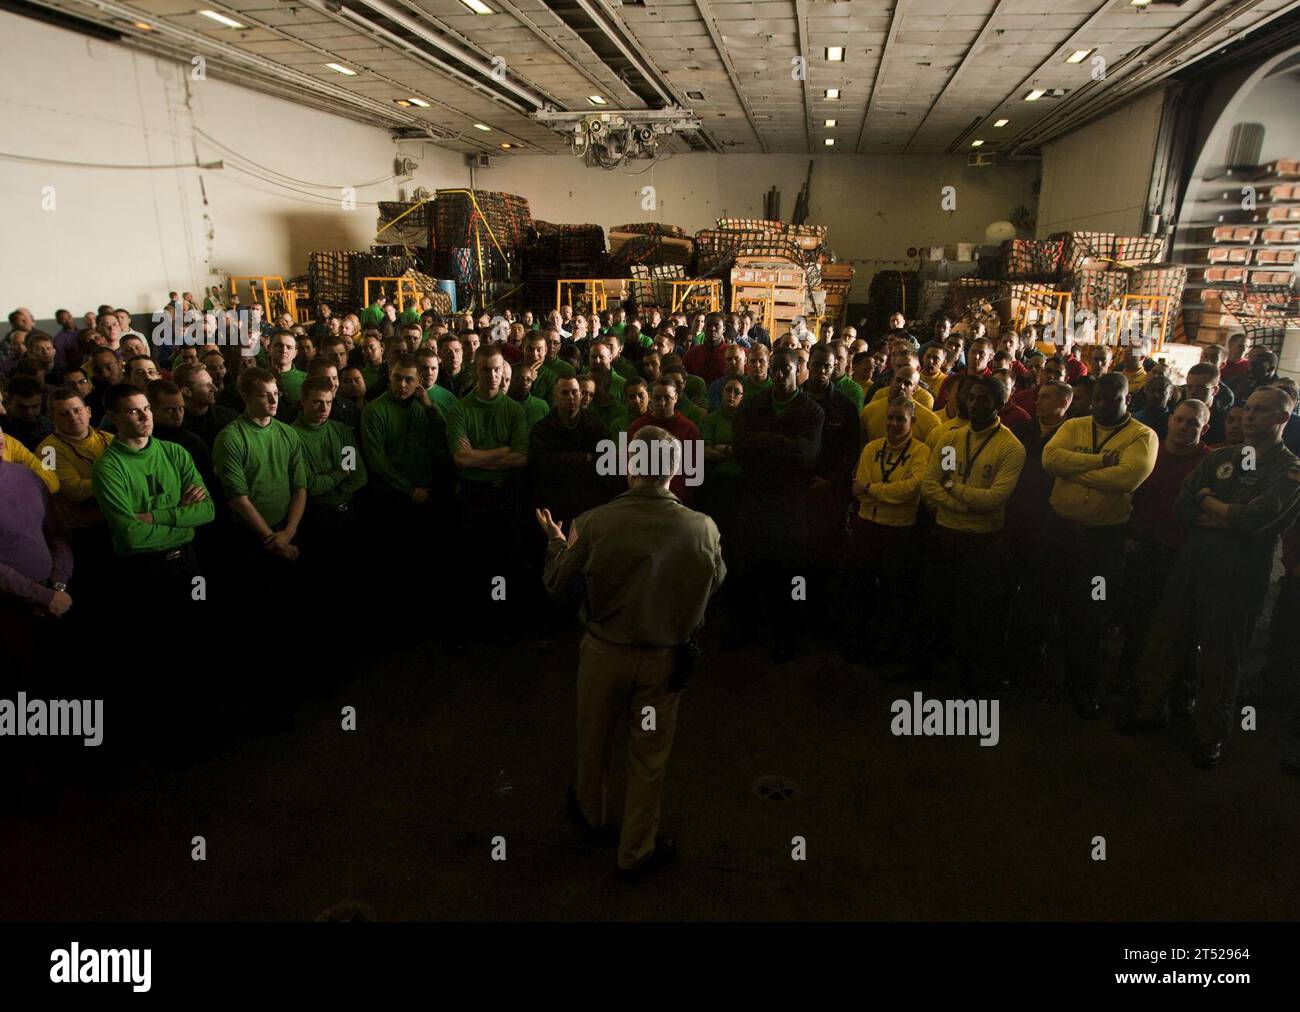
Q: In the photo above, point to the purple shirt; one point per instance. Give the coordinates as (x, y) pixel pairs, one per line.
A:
(32, 547)
(65, 341)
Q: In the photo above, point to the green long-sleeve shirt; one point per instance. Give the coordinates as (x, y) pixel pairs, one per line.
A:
(487, 425)
(395, 436)
(151, 480)
(336, 469)
(264, 463)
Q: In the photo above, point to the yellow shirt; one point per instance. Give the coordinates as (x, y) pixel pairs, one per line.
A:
(74, 460)
(893, 480)
(1085, 492)
(934, 381)
(16, 453)
(943, 428)
(984, 468)
(873, 421)
(922, 397)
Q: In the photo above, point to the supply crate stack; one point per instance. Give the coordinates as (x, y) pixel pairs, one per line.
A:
(1241, 251)
(757, 279)
(830, 297)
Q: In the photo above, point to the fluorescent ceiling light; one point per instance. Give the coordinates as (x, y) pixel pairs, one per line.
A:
(1139, 3)
(596, 100)
(478, 6)
(420, 102)
(142, 26)
(835, 54)
(339, 68)
(482, 126)
(830, 142)
(1078, 56)
(832, 93)
(507, 145)
(976, 144)
(1002, 122)
(832, 122)
(221, 19)
(1035, 95)
(403, 102)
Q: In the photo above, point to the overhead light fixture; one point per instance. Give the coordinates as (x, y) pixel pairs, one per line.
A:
(835, 54)
(1078, 56)
(1035, 95)
(478, 6)
(1138, 3)
(1002, 122)
(142, 26)
(405, 103)
(976, 144)
(507, 145)
(695, 96)
(482, 126)
(420, 102)
(832, 93)
(340, 69)
(829, 142)
(221, 19)
(832, 122)
(596, 100)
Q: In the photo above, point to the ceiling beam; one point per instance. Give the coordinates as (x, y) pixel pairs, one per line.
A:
(895, 22)
(952, 78)
(801, 15)
(524, 19)
(1157, 64)
(706, 15)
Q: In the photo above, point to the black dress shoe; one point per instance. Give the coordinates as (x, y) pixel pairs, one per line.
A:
(665, 853)
(1207, 755)
(1132, 723)
(596, 836)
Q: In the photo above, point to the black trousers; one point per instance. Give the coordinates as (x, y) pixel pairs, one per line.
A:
(1092, 568)
(881, 586)
(978, 626)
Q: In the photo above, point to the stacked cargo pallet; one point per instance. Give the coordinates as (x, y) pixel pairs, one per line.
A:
(1241, 258)
(650, 243)
(756, 278)
(835, 282)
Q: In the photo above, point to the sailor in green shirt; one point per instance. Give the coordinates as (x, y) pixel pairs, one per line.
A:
(636, 402)
(336, 470)
(283, 350)
(686, 404)
(373, 315)
(844, 382)
(602, 361)
(149, 491)
(520, 385)
(548, 370)
(429, 366)
(756, 377)
(259, 462)
(395, 435)
(716, 432)
(372, 358)
(487, 431)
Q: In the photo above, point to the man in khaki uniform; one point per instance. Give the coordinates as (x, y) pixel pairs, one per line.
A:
(648, 566)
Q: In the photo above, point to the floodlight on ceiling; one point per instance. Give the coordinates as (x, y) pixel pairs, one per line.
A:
(976, 144)
(221, 19)
(420, 102)
(1078, 56)
(1001, 122)
(832, 122)
(596, 100)
(829, 142)
(834, 54)
(338, 68)
(833, 93)
(482, 126)
(1035, 95)
(478, 6)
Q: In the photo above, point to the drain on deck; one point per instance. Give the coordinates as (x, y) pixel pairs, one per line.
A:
(774, 787)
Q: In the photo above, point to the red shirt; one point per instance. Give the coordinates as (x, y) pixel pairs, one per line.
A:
(1237, 367)
(707, 363)
(1026, 401)
(1074, 369)
(1153, 501)
(681, 427)
(512, 353)
(1012, 415)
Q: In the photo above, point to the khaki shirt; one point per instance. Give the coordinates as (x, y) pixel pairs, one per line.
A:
(648, 567)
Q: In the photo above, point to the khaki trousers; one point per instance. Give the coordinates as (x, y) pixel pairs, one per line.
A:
(613, 679)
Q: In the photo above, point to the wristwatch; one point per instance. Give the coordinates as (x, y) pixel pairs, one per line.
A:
(59, 588)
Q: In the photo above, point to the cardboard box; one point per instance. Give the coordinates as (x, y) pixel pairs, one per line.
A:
(1289, 236)
(1228, 255)
(1283, 168)
(965, 251)
(1275, 256)
(936, 253)
(1225, 233)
